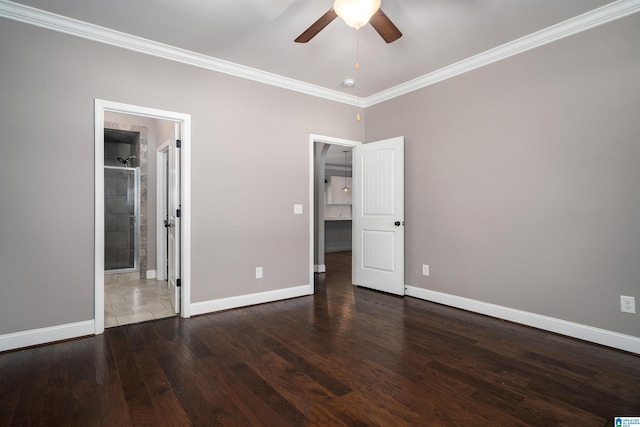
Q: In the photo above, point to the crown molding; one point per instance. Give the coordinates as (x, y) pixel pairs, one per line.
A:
(85, 30)
(29, 15)
(586, 21)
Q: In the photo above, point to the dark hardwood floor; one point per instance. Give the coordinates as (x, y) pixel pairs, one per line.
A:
(344, 357)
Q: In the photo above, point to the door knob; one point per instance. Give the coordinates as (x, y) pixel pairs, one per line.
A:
(397, 223)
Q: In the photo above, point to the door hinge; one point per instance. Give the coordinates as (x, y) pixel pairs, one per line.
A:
(178, 143)
(178, 213)
(178, 282)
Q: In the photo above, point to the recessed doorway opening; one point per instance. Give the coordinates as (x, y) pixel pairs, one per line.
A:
(127, 289)
(332, 231)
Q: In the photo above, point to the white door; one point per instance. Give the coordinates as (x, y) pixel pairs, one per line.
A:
(162, 210)
(378, 215)
(173, 224)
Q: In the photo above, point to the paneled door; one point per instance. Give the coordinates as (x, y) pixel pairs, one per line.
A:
(173, 223)
(378, 215)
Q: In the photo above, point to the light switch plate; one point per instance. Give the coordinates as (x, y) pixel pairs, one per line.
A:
(297, 209)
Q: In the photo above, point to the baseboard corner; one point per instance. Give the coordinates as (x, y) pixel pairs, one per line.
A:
(571, 329)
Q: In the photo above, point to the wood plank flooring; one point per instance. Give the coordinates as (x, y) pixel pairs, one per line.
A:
(343, 357)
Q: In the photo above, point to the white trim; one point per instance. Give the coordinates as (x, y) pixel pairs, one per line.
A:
(46, 335)
(249, 299)
(319, 268)
(185, 222)
(151, 274)
(98, 238)
(313, 138)
(29, 15)
(85, 30)
(100, 107)
(586, 21)
(161, 208)
(552, 324)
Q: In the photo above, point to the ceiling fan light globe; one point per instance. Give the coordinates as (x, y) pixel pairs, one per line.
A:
(356, 13)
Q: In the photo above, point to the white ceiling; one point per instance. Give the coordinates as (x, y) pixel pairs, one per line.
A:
(260, 33)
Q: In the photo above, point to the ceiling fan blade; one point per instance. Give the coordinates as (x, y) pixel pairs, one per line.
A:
(317, 26)
(383, 25)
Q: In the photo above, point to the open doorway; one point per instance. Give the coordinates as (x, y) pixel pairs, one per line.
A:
(377, 212)
(332, 197)
(129, 287)
(336, 204)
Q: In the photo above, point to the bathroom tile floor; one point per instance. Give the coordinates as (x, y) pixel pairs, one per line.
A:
(132, 301)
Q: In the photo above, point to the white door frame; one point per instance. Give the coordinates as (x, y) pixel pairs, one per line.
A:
(162, 152)
(313, 138)
(100, 107)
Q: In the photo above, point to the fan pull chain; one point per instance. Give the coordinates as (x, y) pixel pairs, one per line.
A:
(358, 74)
(359, 83)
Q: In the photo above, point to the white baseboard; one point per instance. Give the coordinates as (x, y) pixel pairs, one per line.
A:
(319, 268)
(574, 330)
(151, 274)
(46, 335)
(250, 299)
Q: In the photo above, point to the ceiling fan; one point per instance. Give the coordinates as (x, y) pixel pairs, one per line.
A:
(356, 13)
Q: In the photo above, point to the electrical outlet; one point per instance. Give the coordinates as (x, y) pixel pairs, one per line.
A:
(425, 270)
(258, 272)
(627, 304)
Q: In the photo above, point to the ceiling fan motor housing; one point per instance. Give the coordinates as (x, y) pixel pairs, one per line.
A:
(356, 13)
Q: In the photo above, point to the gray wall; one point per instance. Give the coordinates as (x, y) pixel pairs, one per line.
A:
(242, 131)
(523, 178)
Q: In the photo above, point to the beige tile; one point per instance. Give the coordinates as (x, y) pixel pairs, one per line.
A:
(167, 312)
(130, 287)
(110, 278)
(126, 277)
(155, 300)
(162, 292)
(125, 303)
(148, 308)
(124, 311)
(139, 295)
(134, 318)
(113, 293)
(111, 299)
(129, 299)
(110, 322)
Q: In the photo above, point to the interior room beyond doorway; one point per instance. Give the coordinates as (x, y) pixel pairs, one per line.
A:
(333, 198)
(131, 291)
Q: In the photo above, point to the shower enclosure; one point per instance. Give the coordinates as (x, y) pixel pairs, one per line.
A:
(122, 218)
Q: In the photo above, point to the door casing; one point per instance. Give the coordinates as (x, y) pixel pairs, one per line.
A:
(100, 107)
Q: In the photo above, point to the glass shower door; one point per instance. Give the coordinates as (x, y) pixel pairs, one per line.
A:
(122, 218)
